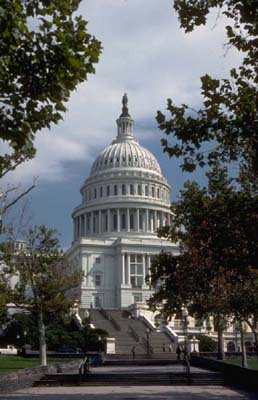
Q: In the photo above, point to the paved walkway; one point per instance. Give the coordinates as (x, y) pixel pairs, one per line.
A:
(130, 393)
(143, 369)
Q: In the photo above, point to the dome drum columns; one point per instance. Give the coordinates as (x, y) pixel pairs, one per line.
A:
(117, 220)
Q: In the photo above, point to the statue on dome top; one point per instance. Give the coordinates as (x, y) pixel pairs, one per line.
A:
(125, 112)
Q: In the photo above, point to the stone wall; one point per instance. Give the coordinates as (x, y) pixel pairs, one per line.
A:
(233, 374)
(23, 378)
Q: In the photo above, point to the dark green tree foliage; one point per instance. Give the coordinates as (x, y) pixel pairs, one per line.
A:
(206, 344)
(217, 229)
(47, 286)
(46, 51)
(227, 122)
(20, 330)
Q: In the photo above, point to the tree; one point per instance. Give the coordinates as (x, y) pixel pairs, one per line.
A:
(46, 287)
(46, 51)
(225, 128)
(217, 229)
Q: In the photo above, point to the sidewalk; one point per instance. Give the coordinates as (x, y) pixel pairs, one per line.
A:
(130, 393)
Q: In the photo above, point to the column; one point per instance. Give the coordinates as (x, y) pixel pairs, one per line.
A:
(100, 221)
(144, 269)
(87, 269)
(123, 268)
(91, 222)
(79, 226)
(118, 219)
(137, 220)
(155, 220)
(151, 222)
(147, 221)
(148, 263)
(85, 224)
(109, 220)
(128, 219)
(129, 268)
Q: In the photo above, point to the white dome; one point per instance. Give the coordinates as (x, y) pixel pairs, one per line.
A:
(125, 151)
(125, 154)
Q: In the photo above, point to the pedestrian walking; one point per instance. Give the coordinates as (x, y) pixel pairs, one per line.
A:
(178, 352)
(170, 348)
(133, 352)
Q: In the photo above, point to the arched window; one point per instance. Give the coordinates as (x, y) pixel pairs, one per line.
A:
(123, 189)
(115, 190)
(152, 191)
(158, 193)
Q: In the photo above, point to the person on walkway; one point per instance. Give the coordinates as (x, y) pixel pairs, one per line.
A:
(170, 348)
(178, 352)
(186, 362)
(84, 366)
(164, 347)
(133, 352)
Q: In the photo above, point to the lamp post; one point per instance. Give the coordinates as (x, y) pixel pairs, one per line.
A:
(185, 315)
(25, 335)
(99, 344)
(148, 341)
(18, 340)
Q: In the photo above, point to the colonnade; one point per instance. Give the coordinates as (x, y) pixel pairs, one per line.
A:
(119, 219)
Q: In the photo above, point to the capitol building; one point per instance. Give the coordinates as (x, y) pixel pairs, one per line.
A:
(124, 201)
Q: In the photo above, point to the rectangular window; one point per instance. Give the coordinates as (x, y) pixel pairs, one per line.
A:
(98, 260)
(136, 271)
(101, 191)
(123, 190)
(131, 188)
(146, 190)
(115, 190)
(108, 190)
(95, 193)
(97, 280)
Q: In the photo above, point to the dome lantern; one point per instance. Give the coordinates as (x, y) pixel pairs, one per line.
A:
(124, 123)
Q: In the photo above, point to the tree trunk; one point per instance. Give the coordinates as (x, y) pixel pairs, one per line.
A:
(256, 341)
(42, 341)
(221, 353)
(244, 358)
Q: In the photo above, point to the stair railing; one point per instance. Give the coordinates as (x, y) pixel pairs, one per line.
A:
(134, 334)
(147, 345)
(111, 319)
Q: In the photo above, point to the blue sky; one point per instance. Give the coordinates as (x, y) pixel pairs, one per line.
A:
(147, 55)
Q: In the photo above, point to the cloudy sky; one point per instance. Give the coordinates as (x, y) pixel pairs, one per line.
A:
(147, 55)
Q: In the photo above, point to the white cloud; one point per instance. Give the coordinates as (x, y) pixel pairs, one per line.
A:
(146, 54)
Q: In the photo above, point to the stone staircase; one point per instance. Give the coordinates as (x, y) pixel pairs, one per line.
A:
(129, 332)
(132, 379)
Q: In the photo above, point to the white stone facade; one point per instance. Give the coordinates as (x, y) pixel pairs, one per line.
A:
(124, 201)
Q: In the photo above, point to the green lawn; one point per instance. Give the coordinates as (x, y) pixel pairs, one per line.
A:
(251, 361)
(13, 363)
